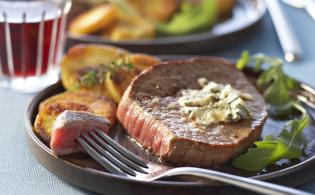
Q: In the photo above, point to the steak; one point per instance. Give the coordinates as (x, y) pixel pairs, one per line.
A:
(69, 125)
(146, 114)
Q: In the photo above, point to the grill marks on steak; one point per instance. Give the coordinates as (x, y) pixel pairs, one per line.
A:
(150, 113)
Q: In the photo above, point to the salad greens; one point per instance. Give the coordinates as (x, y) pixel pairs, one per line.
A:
(278, 86)
(191, 17)
(288, 145)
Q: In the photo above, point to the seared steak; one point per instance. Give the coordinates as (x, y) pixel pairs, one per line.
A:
(150, 112)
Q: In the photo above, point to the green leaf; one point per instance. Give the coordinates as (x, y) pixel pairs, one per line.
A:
(287, 145)
(259, 61)
(277, 94)
(243, 60)
(256, 158)
(282, 111)
(278, 91)
(191, 17)
(266, 77)
(276, 84)
(291, 83)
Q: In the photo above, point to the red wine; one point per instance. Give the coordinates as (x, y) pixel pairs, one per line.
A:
(31, 35)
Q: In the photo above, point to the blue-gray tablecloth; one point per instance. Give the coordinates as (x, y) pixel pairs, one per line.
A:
(21, 174)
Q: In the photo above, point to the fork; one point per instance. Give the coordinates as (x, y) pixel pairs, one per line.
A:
(118, 160)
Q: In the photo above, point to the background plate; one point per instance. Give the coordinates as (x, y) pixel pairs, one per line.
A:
(246, 15)
(79, 169)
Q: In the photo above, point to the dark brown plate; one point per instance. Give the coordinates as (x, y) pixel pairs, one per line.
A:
(80, 170)
(246, 15)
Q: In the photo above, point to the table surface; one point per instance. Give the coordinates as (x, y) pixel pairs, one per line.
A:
(21, 174)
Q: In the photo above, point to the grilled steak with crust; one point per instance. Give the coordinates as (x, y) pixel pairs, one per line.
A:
(146, 114)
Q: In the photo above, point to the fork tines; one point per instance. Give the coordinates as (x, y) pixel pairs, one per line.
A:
(112, 156)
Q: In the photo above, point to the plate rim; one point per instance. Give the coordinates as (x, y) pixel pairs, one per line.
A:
(29, 131)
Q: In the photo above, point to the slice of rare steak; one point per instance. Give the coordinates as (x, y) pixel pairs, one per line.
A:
(151, 113)
(69, 125)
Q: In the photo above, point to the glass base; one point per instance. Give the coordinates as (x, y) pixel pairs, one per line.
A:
(30, 84)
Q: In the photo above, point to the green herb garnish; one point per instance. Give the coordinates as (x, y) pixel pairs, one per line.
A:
(243, 60)
(278, 86)
(89, 79)
(278, 93)
(120, 64)
(288, 145)
(97, 75)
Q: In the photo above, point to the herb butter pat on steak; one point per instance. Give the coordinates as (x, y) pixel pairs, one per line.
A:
(155, 111)
(214, 103)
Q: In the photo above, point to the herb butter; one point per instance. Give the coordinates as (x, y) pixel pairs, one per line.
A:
(214, 103)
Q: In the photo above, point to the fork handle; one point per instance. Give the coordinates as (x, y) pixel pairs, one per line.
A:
(242, 182)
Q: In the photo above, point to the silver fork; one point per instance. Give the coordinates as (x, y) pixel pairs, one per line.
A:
(118, 160)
